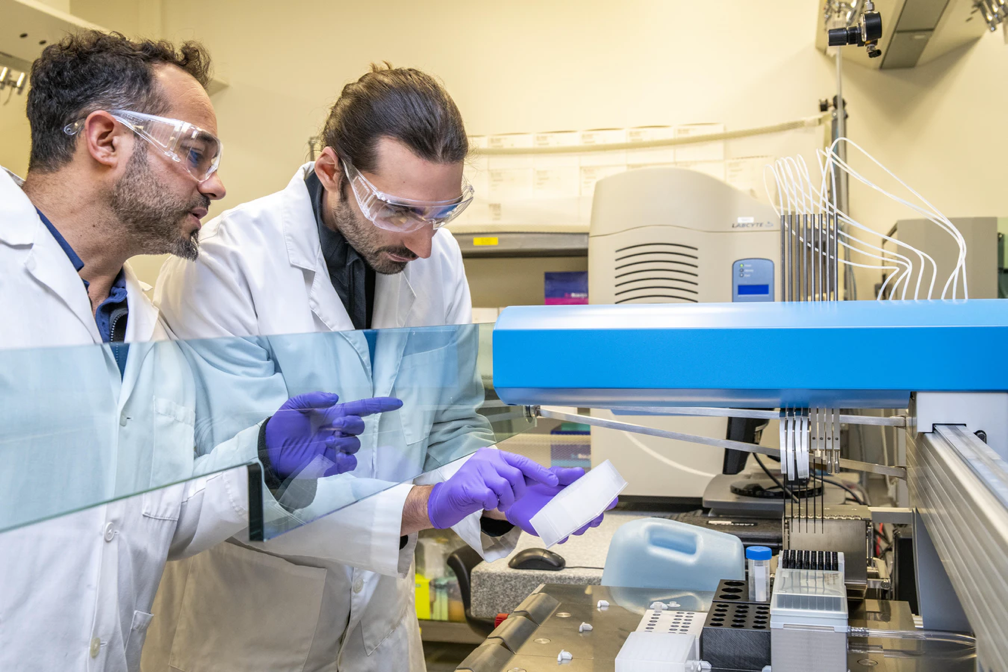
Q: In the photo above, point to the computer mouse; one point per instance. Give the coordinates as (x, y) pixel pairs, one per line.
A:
(537, 558)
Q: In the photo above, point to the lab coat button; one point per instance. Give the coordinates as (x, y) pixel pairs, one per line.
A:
(358, 585)
(95, 647)
(122, 420)
(109, 532)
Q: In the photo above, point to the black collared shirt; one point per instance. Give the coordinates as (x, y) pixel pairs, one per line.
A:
(351, 276)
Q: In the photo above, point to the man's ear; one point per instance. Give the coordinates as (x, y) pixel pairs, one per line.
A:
(329, 170)
(103, 141)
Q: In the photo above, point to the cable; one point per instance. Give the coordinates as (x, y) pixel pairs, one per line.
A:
(601, 569)
(774, 478)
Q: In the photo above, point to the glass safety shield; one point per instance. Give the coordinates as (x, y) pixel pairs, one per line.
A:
(76, 433)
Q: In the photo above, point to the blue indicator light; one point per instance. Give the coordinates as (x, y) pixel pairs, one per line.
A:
(749, 290)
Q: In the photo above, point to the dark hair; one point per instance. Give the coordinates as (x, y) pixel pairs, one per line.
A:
(91, 70)
(400, 103)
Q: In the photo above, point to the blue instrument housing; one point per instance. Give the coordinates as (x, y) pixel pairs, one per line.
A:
(848, 354)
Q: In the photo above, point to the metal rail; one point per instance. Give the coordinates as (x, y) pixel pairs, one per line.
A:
(853, 465)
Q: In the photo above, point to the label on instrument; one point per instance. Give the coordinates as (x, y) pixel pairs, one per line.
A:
(485, 241)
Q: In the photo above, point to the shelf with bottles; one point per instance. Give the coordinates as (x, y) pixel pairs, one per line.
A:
(438, 597)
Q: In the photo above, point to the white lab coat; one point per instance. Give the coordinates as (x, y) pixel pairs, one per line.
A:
(338, 593)
(76, 591)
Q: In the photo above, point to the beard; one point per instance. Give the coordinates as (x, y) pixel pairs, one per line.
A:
(153, 218)
(365, 238)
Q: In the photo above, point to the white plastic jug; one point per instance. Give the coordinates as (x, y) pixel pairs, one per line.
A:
(659, 553)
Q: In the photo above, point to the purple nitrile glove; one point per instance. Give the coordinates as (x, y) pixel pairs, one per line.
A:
(537, 496)
(490, 479)
(314, 425)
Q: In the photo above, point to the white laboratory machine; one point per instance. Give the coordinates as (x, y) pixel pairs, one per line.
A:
(672, 235)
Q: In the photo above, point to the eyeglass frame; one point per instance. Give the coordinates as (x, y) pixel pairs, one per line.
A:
(461, 203)
(73, 128)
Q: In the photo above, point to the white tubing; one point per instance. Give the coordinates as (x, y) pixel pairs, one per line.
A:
(921, 255)
(933, 214)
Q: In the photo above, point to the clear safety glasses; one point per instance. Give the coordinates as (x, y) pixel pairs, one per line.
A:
(403, 214)
(196, 150)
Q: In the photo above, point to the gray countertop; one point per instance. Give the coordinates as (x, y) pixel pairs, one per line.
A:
(496, 588)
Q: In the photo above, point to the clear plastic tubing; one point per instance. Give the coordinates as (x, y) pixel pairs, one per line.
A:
(758, 559)
(930, 635)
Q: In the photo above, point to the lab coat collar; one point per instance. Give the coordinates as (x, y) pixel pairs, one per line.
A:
(15, 209)
(303, 249)
(44, 259)
(394, 298)
(140, 328)
(20, 226)
(394, 295)
(143, 316)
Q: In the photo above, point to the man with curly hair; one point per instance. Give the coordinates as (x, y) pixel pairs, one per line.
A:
(123, 162)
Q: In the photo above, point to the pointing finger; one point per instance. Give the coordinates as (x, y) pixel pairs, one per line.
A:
(364, 407)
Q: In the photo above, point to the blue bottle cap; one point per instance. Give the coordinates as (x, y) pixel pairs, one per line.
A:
(758, 553)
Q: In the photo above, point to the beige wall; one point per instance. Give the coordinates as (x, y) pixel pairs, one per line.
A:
(539, 66)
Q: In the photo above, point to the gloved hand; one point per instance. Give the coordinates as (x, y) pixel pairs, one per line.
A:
(490, 479)
(314, 425)
(537, 496)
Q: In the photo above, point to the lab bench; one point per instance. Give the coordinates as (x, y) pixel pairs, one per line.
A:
(548, 621)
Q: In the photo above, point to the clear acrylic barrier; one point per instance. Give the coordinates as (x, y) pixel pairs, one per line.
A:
(75, 436)
(73, 433)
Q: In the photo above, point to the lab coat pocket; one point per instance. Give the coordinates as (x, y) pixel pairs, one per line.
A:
(135, 639)
(172, 459)
(423, 381)
(389, 605)
(246, 610)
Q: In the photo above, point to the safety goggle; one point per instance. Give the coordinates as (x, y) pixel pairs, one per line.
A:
(196, 150)
(403, 214)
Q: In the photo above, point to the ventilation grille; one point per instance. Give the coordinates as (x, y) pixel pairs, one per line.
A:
(658, 273)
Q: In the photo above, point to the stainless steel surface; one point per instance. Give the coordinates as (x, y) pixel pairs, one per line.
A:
(968, 524)
(938, 604)
(853, 465)
(894, 515)
(596, 651)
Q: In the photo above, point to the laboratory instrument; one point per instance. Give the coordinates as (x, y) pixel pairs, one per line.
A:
(827, 604)
(673, 235)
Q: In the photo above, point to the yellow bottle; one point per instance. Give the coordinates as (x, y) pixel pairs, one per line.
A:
(423, 600)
